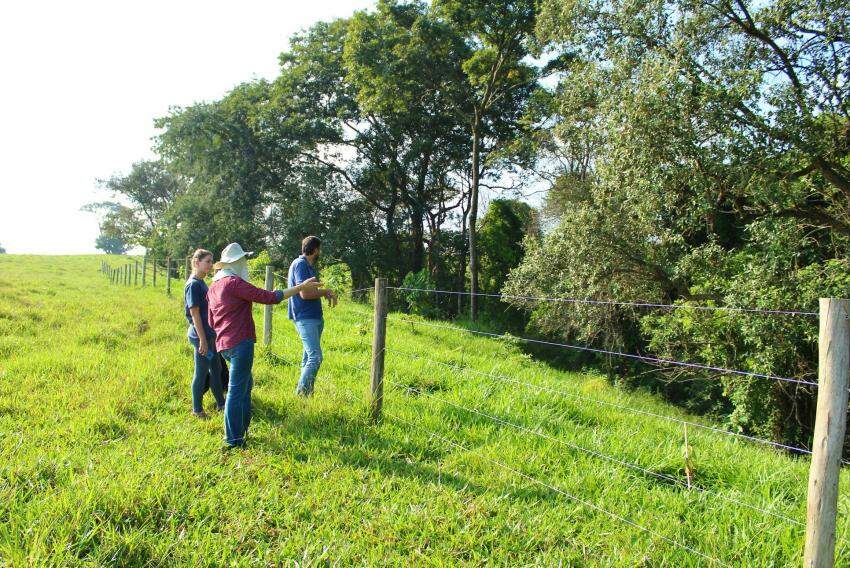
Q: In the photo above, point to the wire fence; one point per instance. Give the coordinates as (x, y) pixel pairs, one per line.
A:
(378, 376)
(644, 358)
(611, 302)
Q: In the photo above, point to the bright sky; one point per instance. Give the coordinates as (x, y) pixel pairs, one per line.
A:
(83, 81)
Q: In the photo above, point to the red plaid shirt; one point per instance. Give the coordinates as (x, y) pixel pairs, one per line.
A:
(230, 301)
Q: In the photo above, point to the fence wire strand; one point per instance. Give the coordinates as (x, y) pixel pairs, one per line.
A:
(611, 302)
(599, 455)
(564, 493)
(626, 408)
(654, 360)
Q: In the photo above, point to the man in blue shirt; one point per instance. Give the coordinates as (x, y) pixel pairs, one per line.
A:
(305, 309)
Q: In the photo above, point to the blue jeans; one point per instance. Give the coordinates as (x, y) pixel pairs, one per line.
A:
(204, 366)
(311, 337)
(237, 408)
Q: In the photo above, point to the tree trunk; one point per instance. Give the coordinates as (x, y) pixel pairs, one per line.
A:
(418, 234)
(473, 217)
(417, 213)
(461, 272)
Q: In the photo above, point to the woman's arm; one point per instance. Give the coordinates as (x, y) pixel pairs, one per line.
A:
(251, 293)
(195, 311)
(309, 286)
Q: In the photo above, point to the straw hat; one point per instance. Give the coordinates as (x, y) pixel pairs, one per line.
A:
(230, 254)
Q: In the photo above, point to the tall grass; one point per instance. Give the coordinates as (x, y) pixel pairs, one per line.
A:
(102, 464)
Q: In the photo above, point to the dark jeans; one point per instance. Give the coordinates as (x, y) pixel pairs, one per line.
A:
(204, 366)
(237, 408)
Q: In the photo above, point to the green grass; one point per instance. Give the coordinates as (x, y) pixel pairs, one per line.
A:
(101, 463)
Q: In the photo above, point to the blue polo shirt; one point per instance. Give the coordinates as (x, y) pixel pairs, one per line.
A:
(300, 309)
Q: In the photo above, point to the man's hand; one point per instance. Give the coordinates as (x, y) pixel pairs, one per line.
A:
(203, 348)
(332, 298)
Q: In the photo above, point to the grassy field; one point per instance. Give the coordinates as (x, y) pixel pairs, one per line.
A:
(102, 464)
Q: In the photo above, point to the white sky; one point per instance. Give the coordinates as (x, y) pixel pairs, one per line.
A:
(82, 82)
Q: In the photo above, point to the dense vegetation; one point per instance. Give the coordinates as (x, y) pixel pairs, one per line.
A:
(689, 152)
(102, 464)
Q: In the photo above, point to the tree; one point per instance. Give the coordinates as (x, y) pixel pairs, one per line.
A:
(772, 72)
(499, 35)
(716, 164)
(224, 155)
(391, 138)
(119, 226)
(111, 244)
(503, 228)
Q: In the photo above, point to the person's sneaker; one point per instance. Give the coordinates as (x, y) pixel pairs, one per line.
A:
(200, 415)
(225, 448)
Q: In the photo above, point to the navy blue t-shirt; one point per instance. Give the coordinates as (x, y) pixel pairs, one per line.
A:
(299, 308)
(195, 293)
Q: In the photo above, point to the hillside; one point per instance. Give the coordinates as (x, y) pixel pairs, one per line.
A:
(484, 456)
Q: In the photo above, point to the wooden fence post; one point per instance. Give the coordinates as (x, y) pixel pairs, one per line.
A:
(136, 274)
(168, 276)
(267, 309)
(379, 336)
(830, 424)
(126, 275)
(153, 267)
(144, 269)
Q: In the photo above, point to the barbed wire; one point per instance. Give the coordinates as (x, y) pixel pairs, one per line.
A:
(599, 455)
(504, 378)
(654, 360)
(564, 493)
(612, 302)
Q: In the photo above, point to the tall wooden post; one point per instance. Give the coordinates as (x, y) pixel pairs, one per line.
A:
(136, 274)
(830, 424)
(379, 336)
(126, 275)
(168, 276)
(153, 267)
(144, 269)
(267, 313)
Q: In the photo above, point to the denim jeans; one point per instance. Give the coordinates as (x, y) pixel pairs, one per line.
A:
(237, 408)
(204, 366)
(311, 337)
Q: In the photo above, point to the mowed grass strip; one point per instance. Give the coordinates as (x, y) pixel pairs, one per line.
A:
(101, 463)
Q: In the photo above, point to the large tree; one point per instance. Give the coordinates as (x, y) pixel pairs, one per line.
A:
(720, 143)
(499, 37)
(229, 162)
(139, 201)
(372, 99)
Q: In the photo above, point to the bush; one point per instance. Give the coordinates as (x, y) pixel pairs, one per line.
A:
(420, 303)
(337, 277)
(257, 265)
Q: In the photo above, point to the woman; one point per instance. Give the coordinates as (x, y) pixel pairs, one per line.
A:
(230, 299)
(201, 335)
